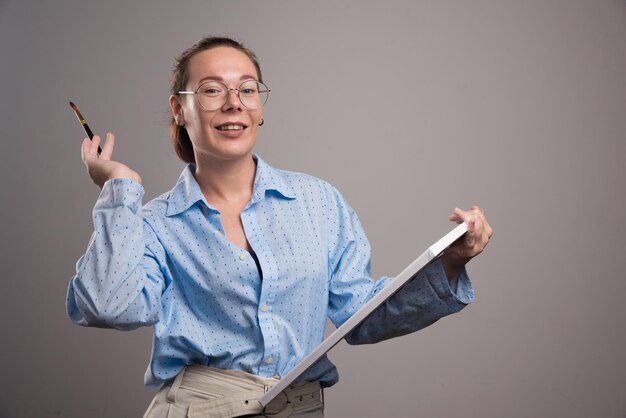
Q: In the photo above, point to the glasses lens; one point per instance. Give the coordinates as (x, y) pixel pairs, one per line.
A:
(253, 94)
(211, 95)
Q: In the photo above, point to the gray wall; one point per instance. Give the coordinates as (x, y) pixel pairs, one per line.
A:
(517, 106)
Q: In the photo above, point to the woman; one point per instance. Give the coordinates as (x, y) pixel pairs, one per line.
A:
(239, 265)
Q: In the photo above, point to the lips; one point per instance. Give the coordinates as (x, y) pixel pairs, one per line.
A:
(231, 126)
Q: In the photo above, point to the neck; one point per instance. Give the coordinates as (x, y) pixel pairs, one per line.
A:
(226, 180)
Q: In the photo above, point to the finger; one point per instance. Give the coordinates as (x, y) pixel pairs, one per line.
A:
(95, 143)
(459, 216)
(478, 209)
(107, 148)
(486, 228)
(89, 150)
(84, 148)
(470, 235)
(455, 218)
(478, 226)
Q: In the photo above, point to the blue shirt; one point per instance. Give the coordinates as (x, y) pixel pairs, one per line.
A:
(170, 265)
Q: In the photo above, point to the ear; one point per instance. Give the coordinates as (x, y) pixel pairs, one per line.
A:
(177, 108)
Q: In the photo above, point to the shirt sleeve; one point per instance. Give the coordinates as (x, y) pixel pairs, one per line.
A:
(118, 281)
(425, 299)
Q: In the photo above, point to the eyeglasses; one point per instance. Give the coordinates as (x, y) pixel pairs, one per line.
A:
(212, 95)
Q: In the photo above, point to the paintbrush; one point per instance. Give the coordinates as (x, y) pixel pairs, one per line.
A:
(83, 122)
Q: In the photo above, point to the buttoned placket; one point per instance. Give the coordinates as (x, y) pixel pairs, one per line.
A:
(267, 260)
(258, 244)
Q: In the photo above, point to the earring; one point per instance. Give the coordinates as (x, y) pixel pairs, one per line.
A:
(262, 122)
(179, 122)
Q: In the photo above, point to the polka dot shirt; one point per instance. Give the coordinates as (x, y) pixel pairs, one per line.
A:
(169, 265)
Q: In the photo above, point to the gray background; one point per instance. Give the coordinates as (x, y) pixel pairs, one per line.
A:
(517, 106)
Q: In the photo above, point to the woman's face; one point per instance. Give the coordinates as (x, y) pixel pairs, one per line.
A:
(228, 133)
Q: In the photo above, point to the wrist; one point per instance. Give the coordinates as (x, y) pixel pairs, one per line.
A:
(453, 264)
(125, 174)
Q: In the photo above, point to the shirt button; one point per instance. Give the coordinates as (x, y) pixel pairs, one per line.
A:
(264, 308)
(269, 360)
(242, 256)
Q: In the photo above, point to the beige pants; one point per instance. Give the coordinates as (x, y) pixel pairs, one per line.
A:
(205, 392)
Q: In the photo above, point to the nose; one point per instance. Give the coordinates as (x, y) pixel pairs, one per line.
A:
(232, 100)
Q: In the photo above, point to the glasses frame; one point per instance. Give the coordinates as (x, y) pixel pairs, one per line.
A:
(228, 90)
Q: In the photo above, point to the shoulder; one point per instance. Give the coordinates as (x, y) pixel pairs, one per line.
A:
(317, 194)
(306, 185)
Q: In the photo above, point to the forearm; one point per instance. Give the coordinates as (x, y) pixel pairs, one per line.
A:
(111, 287)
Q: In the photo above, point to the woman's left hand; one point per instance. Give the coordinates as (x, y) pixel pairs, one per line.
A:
(473, 242)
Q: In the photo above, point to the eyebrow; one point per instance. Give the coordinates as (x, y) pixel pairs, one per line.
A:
(221, 79)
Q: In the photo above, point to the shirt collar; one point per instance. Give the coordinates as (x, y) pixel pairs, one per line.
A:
(267, 181)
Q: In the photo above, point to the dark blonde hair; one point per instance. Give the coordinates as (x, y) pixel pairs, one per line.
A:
(180, 76)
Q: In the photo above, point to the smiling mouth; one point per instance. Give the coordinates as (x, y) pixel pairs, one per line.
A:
(231, 127)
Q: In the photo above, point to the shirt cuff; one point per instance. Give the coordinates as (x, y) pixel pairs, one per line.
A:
(121, 192)
(458, 292)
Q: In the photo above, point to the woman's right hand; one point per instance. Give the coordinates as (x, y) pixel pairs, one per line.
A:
(102, 168)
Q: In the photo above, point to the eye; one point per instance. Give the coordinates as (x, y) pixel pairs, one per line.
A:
(211, 89)
(249, 88)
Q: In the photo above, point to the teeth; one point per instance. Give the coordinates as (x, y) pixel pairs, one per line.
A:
(230, 128)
